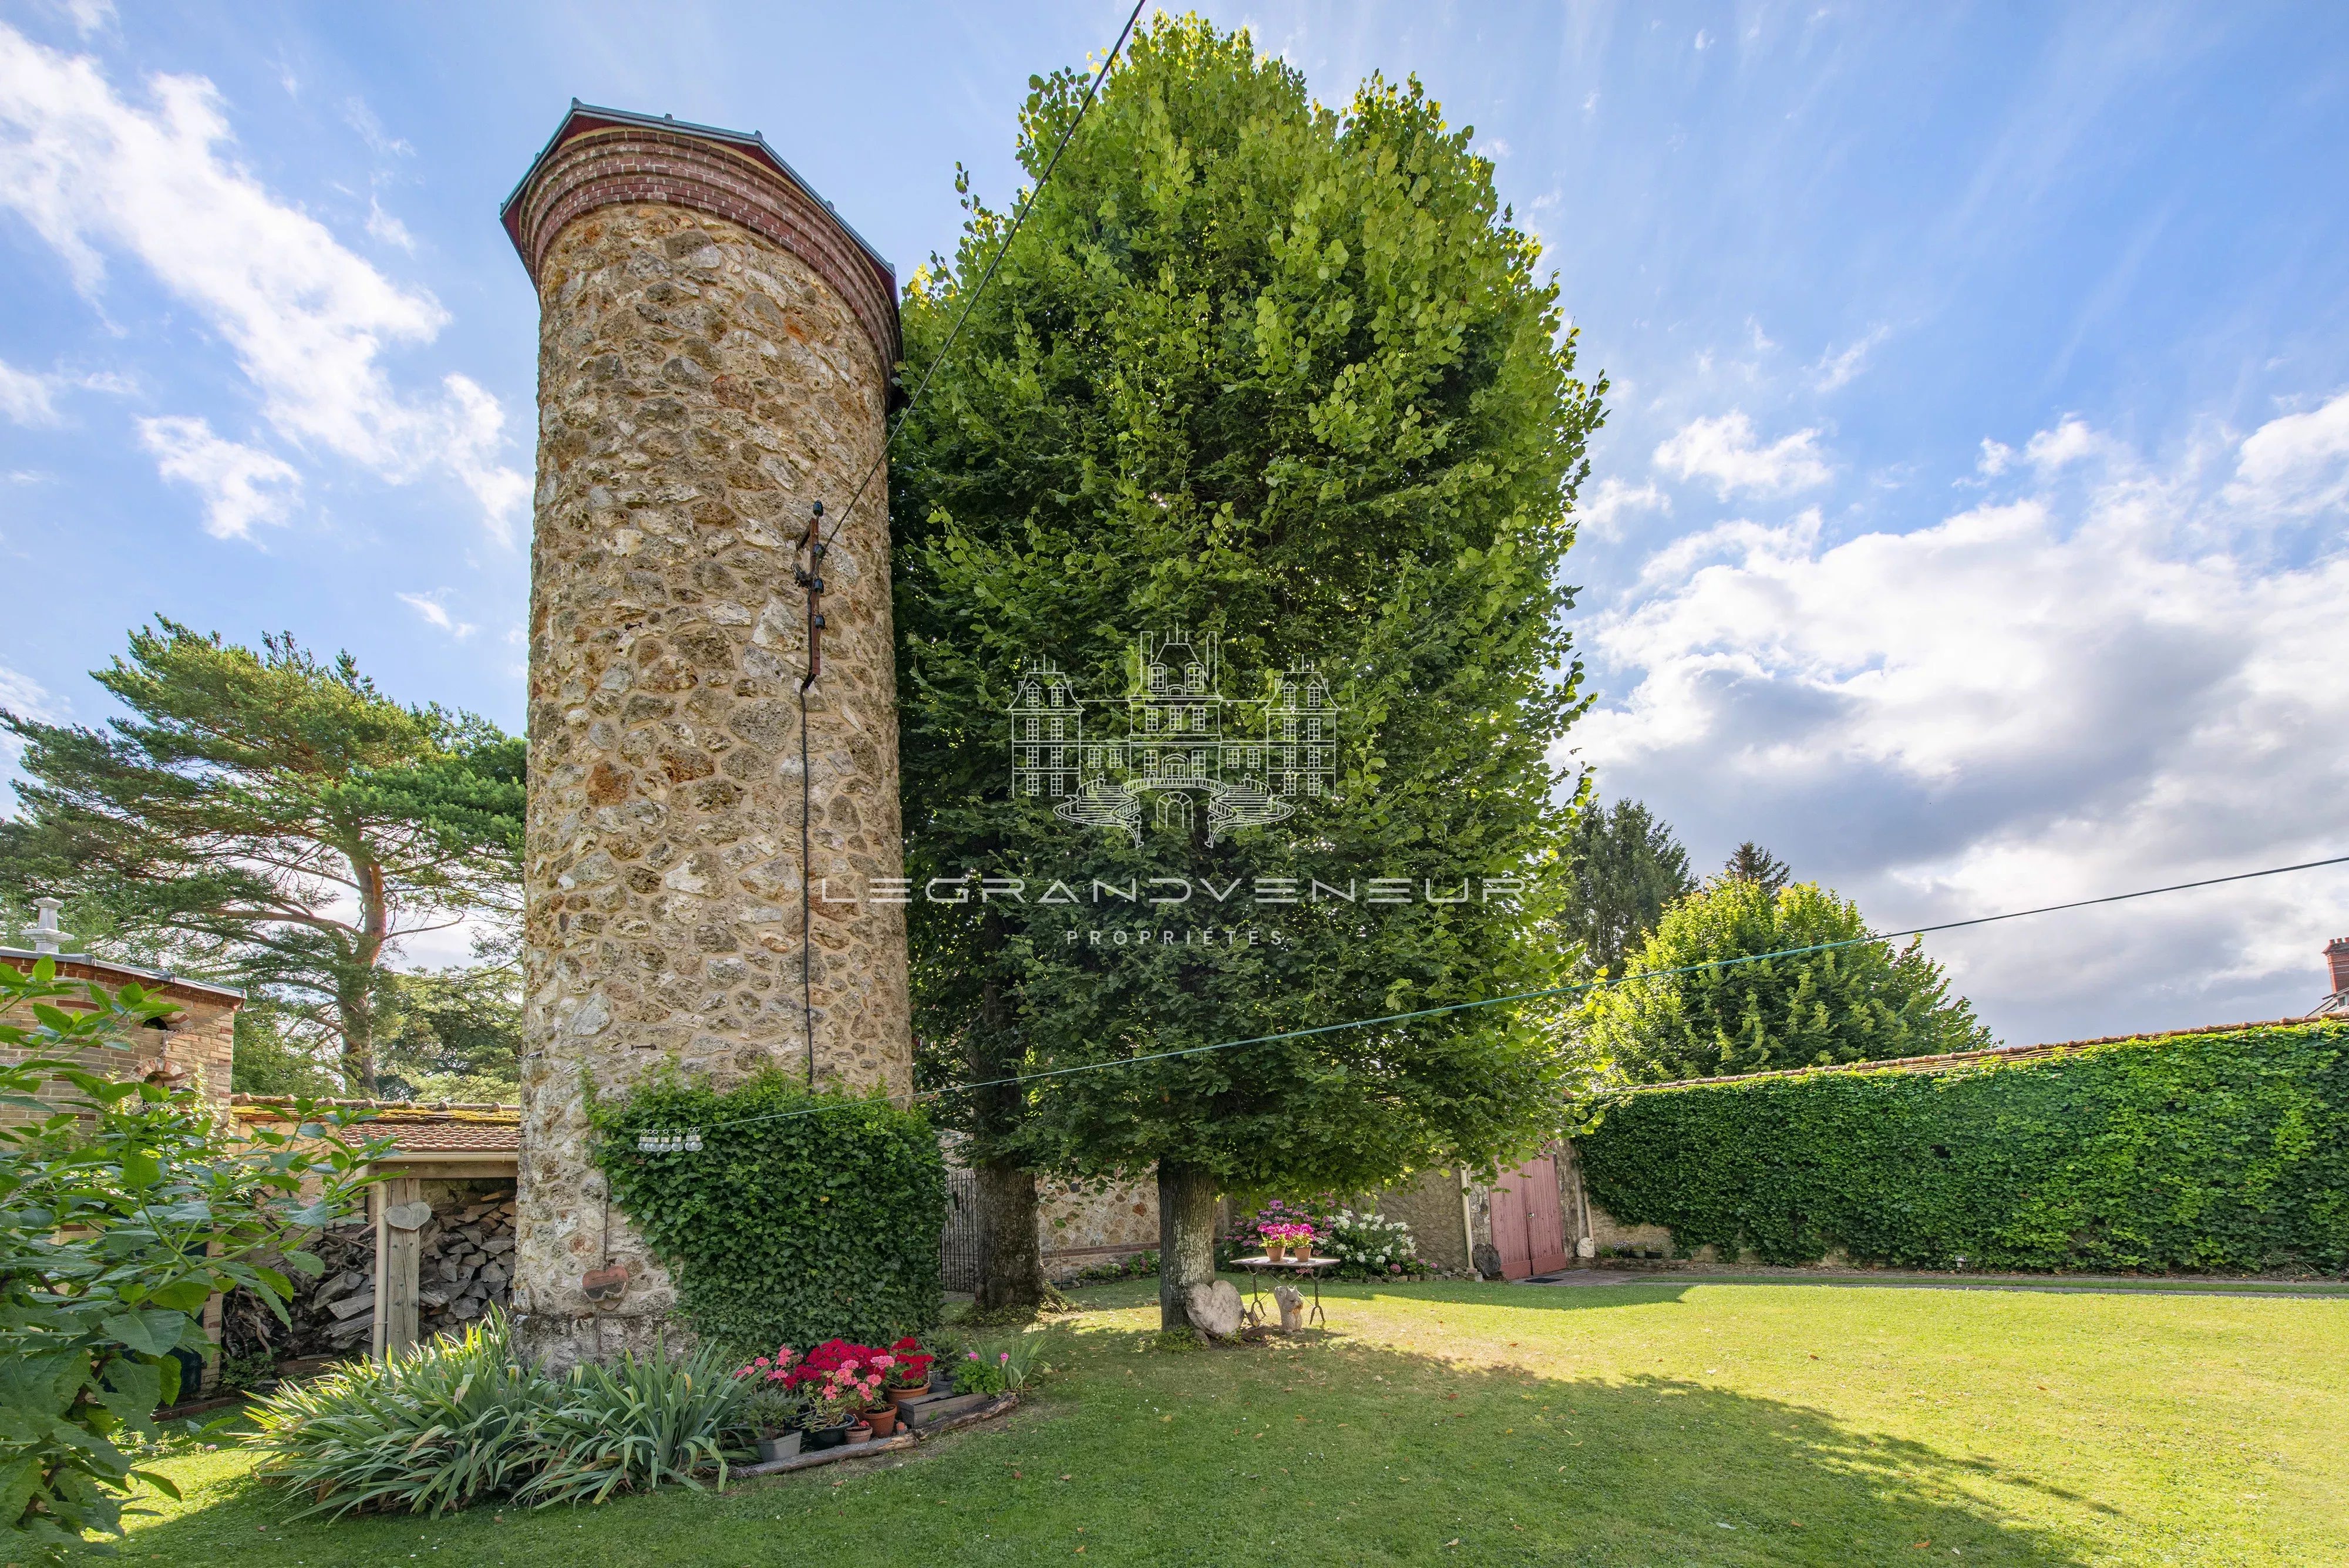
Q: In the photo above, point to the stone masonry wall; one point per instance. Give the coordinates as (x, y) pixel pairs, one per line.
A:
(698, 386)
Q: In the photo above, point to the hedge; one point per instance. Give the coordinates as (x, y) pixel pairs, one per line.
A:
(788, 1229)
(2225, 1152)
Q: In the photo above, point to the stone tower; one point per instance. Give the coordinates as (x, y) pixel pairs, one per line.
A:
(715, 353)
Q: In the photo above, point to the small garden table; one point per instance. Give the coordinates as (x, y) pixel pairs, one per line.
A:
(1310, 1268)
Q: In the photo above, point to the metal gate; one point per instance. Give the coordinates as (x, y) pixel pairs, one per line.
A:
(1529, 1226)
(958, 1245)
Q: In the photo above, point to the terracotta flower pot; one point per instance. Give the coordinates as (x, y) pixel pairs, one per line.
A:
(1276, 1251)
(896, 1395)
(883, 1421)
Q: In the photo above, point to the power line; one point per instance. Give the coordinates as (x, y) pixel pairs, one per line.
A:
(1576, 989)
(971, 300)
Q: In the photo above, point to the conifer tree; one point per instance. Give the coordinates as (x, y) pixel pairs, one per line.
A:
(1283, 377)
(272, 817)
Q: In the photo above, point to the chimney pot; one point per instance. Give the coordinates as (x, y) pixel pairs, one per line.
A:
(2336, 953)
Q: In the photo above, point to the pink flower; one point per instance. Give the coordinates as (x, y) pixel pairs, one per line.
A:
(1003, 1355)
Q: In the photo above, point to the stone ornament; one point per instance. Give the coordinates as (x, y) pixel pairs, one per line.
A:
(409, 1216)
(1215, 1308)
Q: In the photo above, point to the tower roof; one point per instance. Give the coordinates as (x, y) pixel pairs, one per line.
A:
(730, 174)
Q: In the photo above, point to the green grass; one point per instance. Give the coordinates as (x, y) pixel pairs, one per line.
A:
(1674, 1422)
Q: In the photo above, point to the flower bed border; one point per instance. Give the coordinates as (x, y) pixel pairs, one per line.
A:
(944, 1422)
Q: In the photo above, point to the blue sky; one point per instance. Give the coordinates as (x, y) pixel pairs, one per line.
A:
(1968, 526)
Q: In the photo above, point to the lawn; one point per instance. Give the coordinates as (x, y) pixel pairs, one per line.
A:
(1668, 1422)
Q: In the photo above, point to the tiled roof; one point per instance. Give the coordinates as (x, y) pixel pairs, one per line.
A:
(416, 1126)
(1970, 1058)
(81, 966)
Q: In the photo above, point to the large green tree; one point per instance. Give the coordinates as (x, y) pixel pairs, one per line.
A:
(1282, 375)
(273, 818)
(1626, 870)
(1689, 1009)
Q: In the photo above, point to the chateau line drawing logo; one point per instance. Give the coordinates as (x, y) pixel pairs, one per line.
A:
(1182, 742)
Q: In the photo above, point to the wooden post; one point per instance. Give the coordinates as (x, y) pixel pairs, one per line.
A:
(399, 1254)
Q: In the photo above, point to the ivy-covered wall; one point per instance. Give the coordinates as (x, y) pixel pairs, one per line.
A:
(2224, 1152)
(801, 1216)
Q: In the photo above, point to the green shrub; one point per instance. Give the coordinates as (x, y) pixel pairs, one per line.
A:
(450, 1423)
(123, 1208)
(635, 1424)
(803, 1217)
(430, 1429)
(2225, 1152)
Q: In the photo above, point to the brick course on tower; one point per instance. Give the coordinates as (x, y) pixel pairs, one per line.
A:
(715, 350)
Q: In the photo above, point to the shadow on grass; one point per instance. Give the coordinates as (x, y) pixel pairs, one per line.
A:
(1320, 1447)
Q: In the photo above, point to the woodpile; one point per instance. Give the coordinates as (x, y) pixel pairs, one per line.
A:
(467, 1264)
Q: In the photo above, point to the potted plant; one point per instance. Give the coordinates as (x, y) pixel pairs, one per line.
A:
(1300, 1242)
(909, 1375)
(773, 1413)
(1276, 1240)
(841, 1382)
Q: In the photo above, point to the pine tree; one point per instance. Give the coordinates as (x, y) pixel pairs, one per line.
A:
(272, 817)
(1627, 869)
(1283, 375)
(1752, 862)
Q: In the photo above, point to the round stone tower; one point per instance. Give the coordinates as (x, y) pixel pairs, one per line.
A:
(715, 352)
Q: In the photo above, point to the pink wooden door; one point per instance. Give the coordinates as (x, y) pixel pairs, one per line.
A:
(1529, 1226)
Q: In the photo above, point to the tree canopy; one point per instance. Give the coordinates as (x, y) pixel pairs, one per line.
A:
(1626, 869)
(1280, 377)
(1688, 1011)
(1749, 862)
(271, 816)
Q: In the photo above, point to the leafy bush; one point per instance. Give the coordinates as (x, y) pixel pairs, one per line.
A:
(427, 1430)
(820, 1221)
(2225, 1151)
(1370, 1242)
(450, 1423)
(633, 1425)
(123, 1207)
(1681, 1013)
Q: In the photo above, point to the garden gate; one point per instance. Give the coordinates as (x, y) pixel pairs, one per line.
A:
(1529, 1226)
(958, 1246)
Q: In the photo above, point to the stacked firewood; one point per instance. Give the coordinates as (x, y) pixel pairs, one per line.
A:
(468, 1262)
(340, 1310)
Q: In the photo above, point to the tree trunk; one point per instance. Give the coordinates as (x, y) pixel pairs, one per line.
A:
(1186, 1238)
(1010, 1264)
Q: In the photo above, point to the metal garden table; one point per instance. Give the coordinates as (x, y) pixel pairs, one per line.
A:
(1308, 1268)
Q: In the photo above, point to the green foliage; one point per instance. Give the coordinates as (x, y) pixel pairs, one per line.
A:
(1749, 862)
(1627, 869)
(269, 1058)
(455, 1034)
(1684, 1012)
(2225, 1152)
(121, 1211)
(791, 1230)
(271, 816)
(1285, 375)
(450, 1423)
(430, 1428)
(641, 1422)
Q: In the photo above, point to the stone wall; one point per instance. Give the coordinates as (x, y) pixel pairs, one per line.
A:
(1432, 1207)
(699, 387)
(1079, 1224)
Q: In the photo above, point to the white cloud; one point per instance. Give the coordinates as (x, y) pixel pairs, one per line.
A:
(309, 320)
(1838, 367)
(25, 397)
(1601, 515)
(1724, 450)
(89, 16)
(432, 610)
(1704, 39)
(2299, 464)
(2078, 691)
(389, 229)
(1996, 458)
(241, 485)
